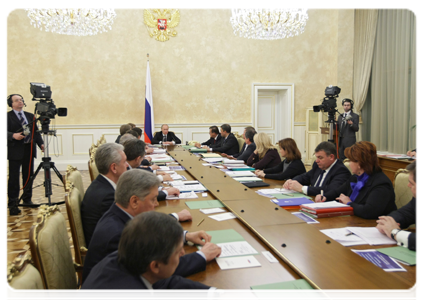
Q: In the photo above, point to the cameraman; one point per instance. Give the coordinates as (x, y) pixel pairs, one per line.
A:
(19, 152)
(347, 126)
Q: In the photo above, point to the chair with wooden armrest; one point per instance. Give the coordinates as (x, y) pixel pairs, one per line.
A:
(50, 249)
(22, 275)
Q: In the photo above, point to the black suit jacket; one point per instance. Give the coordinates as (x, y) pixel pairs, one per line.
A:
(406, 216)
(376, 198)
(229, 145)
(105, 240)
(158, 137)
(109, 274)
(296, 167)
(245, 153)
(15, 148)
(337, 175)
(212, 141)
(98, 198)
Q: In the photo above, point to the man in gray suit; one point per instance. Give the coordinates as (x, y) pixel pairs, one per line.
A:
(348, 126)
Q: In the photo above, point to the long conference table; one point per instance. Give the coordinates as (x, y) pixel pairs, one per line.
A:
(301, 249)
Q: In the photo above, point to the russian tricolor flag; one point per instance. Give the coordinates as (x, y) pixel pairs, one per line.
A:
(149, 113)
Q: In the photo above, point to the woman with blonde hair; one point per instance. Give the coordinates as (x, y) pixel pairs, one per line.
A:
(266, 155)
(290, 167)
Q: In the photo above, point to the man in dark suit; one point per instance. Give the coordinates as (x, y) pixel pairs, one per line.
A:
(248, 147)
(135, 150)
(111, 164)
(214, 140)
(348, 126)
(405, 216)
(123, 129)
(147, 257)
(327, 173)
(165, 137)
(136, 192)
(19, 151)
(229, 143)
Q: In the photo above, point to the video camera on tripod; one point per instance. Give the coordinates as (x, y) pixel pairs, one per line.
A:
(329, 105)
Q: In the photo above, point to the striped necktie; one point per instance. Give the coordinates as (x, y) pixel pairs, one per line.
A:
(319, 180)
(27, 138)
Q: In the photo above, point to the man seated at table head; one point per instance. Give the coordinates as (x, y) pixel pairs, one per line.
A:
(123, 129)
(135, 151)
(248, 147)
(165, 137)
(229, 143)
(111, 163)
(402, 218)
(136, 192)
(215, 138)
(327, 173)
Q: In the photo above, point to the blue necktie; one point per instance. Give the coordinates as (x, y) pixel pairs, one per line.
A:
(27, 138)
(320, 181)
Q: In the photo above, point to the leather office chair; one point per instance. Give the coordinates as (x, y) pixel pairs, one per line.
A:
(50, 249)
(347, 164)
(241, 142)
(403, 194)
(73, 200)
(22, 275)
(73, 176)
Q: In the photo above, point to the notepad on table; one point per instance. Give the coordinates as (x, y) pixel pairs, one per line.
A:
(228, 263)
(211, 155)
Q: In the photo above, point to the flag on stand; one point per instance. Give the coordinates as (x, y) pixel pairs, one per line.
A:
(149, 113)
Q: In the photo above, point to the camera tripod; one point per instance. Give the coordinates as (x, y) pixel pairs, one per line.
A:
(47, 165)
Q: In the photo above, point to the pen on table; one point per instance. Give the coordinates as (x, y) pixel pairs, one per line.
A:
(348, 234)
(200, 222)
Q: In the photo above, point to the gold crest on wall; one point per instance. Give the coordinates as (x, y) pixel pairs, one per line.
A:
(161, 23)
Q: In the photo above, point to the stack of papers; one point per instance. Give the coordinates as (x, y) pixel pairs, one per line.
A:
(213, 160)
(371, 235)
(211, 155)
(175, 183)
(241, 174)
(245, 179)
(344, 237)
(191, 187)
(160, 158)
(190, 195)
(233, 161)
(159, 151)
(208, 211)
(223, 217)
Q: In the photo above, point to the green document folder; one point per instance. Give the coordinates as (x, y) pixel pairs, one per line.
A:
(290, 290)
(204, 204)
(187, 146)
(198, 150)
(225, 236)
(400, 253)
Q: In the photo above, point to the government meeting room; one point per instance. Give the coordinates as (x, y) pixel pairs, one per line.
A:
(225, 153)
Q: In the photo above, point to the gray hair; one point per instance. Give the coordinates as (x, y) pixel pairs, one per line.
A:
(106, 155)
(134, 182)
(126, 137)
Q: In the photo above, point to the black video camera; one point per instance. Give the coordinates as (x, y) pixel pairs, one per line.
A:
(45, 108)
(329, 102)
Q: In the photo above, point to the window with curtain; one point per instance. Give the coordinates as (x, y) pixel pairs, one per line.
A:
(389, 112)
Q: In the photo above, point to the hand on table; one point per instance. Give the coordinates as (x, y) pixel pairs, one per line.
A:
(198, 237)
(211, 251)
(293, 185)
(320, 198)
(172, 191)
(259, 173)
(343, 199)
(385, 224)
(167, 177)
(184, 215)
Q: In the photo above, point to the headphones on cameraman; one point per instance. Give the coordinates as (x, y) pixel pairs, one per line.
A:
(348, 100)
(9, 99)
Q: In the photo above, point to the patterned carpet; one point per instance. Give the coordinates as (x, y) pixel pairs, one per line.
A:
(18, 226)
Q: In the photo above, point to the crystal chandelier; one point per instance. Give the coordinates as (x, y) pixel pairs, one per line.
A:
(80, 22)
(268, 24)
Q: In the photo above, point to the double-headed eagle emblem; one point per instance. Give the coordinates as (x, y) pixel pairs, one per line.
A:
(161, 23)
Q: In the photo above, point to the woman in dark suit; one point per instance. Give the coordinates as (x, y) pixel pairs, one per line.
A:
(266, 155)
(369, 191)
(290, 167)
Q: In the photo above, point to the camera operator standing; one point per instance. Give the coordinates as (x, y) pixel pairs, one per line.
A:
(348, 126)
(20, 137)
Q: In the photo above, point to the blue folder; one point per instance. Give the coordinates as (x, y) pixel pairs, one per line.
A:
(292, 201)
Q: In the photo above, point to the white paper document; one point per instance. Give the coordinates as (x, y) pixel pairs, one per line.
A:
(190, 195)
(330, 204)
(237, 262)
(191, 187)
(269, 256)
(275, 191)
(185, 182)
(223, 217)
(236, 249)
(240, 173)
(344, 237)
(163, 168)
(208, 211)
(211, 160)
(233, 161)
(371, 235)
